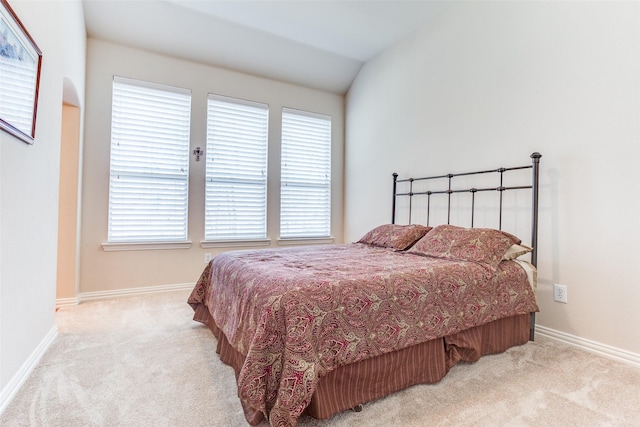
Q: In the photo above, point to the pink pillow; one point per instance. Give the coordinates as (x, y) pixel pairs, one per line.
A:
(398, 237)
(484, 245)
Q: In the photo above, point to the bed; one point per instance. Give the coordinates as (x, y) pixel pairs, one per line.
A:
(320, 329)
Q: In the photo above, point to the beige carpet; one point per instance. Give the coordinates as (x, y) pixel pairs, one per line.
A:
(142, 361)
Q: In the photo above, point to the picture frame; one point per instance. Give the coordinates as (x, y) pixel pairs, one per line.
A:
(20, 63)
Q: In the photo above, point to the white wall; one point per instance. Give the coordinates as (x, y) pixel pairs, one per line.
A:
(484, 85)
(29, 191)
(112, 271)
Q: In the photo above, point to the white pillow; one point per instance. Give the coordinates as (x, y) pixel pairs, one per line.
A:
(515, 251)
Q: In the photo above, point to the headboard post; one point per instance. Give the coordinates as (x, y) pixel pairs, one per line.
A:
(393, 204)
(535, 180)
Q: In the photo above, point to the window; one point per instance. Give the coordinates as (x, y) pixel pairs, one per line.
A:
(236, 170)
(305, 193)
(149, 162)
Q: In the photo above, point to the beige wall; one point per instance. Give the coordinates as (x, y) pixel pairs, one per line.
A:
(486, 84)
(29, 193)
(68, 208)
(102, 271)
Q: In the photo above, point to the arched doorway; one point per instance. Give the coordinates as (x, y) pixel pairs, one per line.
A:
(68, 210)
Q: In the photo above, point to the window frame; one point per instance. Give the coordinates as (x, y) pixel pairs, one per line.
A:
(177, 146)
(297, 238)
(250, 113)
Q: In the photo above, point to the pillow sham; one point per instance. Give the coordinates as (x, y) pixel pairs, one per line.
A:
(515, 251)
(394, 236)
(483, 245)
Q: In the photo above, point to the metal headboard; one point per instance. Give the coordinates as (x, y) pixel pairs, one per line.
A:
(534, 166)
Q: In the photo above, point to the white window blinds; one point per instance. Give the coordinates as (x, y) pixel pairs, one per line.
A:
(17, 90)
(149, 162)
(305, 193)
(236, 170)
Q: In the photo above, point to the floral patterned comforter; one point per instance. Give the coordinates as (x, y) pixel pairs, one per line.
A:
(298, 313)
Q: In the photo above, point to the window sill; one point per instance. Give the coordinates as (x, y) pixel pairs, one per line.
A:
(144, 246)
(234, 243)
(305, 241)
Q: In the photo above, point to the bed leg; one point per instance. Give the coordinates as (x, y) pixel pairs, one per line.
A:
(532, 326)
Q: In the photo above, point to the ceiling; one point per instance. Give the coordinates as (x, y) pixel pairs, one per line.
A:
(320, 44)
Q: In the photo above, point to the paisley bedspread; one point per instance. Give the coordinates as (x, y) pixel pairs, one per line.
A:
(298, 313)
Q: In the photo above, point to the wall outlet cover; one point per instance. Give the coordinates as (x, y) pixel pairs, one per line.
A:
(560, 293)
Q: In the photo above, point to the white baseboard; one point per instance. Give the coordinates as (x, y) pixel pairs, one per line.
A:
(66, 302)
(90, 296)
(9, 392)
(591, 346)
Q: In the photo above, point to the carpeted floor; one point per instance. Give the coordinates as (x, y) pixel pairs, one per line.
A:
(142, 361)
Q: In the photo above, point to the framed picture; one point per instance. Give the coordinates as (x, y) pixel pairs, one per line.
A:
(20, 61)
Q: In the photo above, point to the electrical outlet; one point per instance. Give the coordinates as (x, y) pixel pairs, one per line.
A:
(560, 293)
(207, 258)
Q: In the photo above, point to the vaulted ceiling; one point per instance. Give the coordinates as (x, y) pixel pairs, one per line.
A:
(315, 43)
